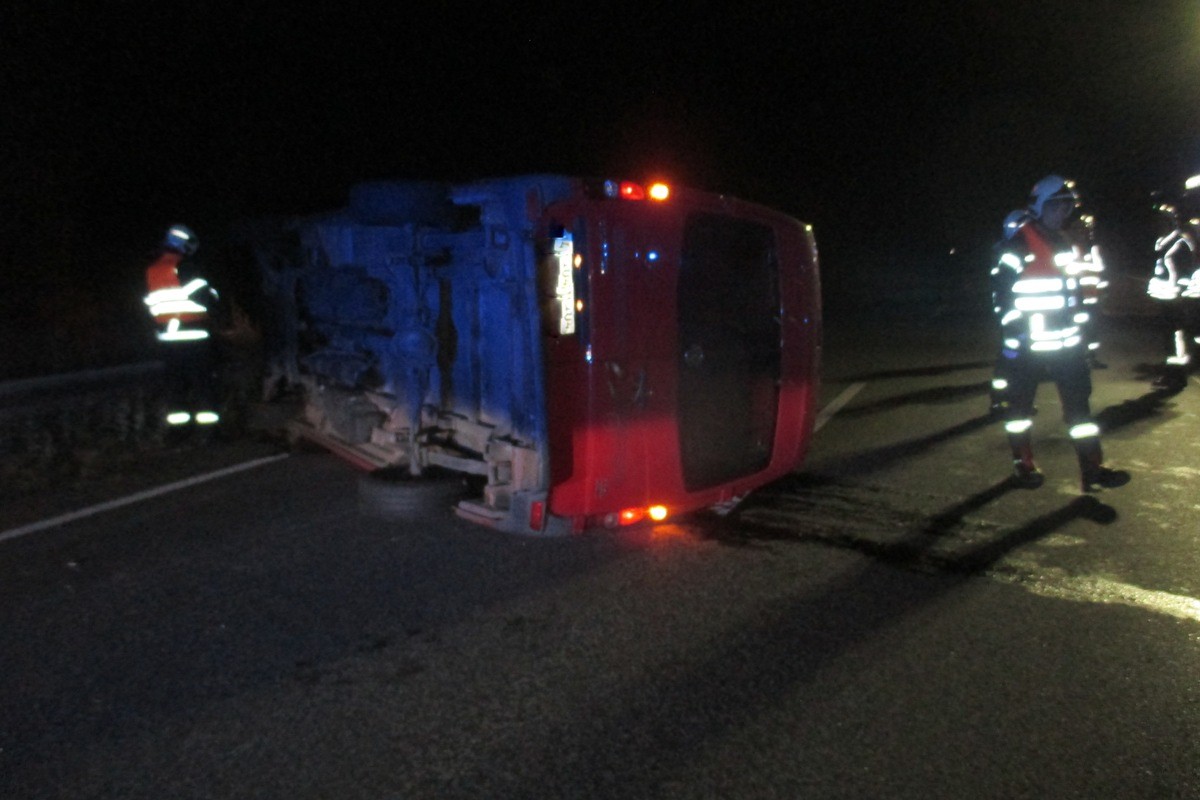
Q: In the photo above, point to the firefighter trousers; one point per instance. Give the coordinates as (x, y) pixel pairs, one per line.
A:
(1069, 371)
(190, 373)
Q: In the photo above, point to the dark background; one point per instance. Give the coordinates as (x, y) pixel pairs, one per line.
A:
(901, 132)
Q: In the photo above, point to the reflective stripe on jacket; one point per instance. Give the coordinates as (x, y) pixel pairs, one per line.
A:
(176, 309)
(1087, 267)
(1173, 271)
(1036, 295)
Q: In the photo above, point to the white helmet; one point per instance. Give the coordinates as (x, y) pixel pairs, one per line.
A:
(181, 239)
(1051, 187)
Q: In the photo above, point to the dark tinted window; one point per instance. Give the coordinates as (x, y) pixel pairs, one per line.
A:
(729, 348)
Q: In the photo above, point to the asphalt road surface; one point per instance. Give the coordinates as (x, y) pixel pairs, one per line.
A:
(893, 621)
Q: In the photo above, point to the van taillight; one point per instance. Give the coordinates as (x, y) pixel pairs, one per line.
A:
(656, 513)
(632, 191)
(628, 516)
(632, 516)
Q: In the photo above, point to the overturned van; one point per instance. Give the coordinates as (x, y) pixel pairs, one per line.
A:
(586, 352)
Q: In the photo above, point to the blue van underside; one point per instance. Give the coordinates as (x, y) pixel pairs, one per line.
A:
(417, 334)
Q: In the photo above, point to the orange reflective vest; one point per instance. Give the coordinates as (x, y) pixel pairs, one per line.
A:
(175, 307)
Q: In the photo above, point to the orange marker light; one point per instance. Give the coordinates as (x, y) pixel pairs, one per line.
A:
(657, 513)
(659, 191)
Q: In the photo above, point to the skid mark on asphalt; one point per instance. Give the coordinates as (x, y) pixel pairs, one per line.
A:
(862, 518)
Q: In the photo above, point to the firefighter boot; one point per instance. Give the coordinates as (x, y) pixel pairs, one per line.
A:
(1025, 475)
(1094, 475)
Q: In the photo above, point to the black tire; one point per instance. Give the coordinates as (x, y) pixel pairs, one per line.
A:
(297, 443)
(392, 493)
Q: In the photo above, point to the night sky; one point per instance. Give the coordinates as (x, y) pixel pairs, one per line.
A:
(899, 130)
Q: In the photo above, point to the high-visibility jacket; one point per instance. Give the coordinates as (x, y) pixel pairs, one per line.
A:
(1175, 274)
(179, 310)
(1176, 282)
(1036, 293)
(1087, 267)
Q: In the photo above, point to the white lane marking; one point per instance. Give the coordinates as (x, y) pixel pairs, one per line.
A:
(71, 516)
(1093, 589)
(828, 411)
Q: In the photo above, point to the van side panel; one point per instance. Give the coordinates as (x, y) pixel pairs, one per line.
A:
(621, 431)
(416, 307)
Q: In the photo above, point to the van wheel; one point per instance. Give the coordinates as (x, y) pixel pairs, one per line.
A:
(392, 493)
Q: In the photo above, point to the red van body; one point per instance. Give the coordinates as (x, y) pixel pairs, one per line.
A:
(594, 352)
(693, 378)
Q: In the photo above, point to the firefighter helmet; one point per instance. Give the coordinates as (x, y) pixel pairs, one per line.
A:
(1051, 187)
(1014, 221)
(181, 239)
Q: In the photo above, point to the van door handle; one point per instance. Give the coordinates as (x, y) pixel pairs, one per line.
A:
(640, 394)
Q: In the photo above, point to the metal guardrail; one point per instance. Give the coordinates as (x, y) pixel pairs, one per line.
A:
(26, 388)
(55, 428)
(46, 417)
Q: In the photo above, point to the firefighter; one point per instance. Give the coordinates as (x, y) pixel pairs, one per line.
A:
(1175, 284)
(1042, 314)
(999, 387)
(182, 305)
(1087, 268)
